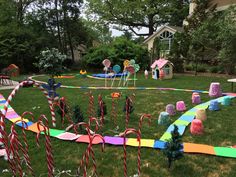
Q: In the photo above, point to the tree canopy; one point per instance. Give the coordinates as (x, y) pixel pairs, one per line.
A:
(134, 15)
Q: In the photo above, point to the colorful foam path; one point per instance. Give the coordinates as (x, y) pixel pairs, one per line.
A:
(185, 119)
(182, 122)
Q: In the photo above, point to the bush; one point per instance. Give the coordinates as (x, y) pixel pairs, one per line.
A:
(214, 69)
(118, 51)
(202, 68)
(188, 67)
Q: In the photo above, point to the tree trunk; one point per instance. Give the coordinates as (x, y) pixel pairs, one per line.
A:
(58, 26)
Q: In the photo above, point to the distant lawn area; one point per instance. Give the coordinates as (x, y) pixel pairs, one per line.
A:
(219, 129)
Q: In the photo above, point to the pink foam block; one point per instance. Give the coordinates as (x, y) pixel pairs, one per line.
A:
(68, 136)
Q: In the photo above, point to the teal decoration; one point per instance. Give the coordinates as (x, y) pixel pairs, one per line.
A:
(136, 67)
(164, 118)
(226, 101)
(132, 62)
(116, 68)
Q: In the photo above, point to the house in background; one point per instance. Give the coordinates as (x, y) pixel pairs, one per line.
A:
(162, 69)
(166, 35)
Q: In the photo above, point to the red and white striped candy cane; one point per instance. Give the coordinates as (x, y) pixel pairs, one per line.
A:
(84, 158)
(127, 114)
(49, 155)
(93, 119)
(91, 151)
(101, 106)
(144, 116)
(15, 145)
(25, 149)
(113, 111)
(129, 131)
(91, 111)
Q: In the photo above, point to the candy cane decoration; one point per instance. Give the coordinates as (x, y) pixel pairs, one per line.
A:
(91, 151)
(129, 131)
(25, 149)
(93, 119)
(12, 95)
(144, 116)
(82, 164)
(127, 114)
(101, 105)
(4, 141)
(49, 155)
(62, 108)
(91, 111)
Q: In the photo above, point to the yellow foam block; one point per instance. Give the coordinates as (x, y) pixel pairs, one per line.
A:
(144, 142)
(16, 119)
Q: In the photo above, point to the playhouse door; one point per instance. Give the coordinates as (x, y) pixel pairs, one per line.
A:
(157, 73)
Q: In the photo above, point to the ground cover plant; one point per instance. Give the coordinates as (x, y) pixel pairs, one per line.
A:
(219, 129)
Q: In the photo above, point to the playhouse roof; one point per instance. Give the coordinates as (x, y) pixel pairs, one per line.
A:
(160, 63)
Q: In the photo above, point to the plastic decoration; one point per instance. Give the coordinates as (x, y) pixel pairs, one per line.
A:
(51, 87)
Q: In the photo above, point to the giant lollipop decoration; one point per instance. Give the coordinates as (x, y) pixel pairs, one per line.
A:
(130, 69)
(116, 69)
(125, 63)
(107, 64)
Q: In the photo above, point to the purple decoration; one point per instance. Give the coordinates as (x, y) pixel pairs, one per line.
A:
(170, 109)
(114, 140)
(180, 106)
(215, 90)
(196, 99)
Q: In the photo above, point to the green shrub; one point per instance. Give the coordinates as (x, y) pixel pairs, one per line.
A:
(202, 68)
(118, 51)
(188, 67)
(214, 69)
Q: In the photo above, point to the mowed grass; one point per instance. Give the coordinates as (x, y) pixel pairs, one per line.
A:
(219, 129)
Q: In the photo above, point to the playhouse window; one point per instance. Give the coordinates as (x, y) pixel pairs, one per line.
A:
(167, 70)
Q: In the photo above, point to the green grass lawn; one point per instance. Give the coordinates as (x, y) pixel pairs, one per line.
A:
(219, 129)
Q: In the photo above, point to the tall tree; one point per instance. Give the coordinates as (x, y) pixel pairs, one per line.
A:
(134, 15)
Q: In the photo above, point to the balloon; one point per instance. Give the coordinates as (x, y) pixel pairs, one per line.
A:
(130, 69)
(132, 62)
(106, 63)
(126, 63)
(136, 67)
(116, 68)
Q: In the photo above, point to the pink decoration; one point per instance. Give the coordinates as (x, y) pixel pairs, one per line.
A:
(130, 69)
(196, 99)
(196, 127)
(106, 63)
(170, 109)
(159, 63)
(180, 106)
(215, 90)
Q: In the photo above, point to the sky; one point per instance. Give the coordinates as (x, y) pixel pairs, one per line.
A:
(116, 33)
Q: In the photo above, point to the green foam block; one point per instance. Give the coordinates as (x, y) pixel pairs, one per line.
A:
(181, 122)
(55, 132)
(225, 151)
(166, 136)
(190, 113)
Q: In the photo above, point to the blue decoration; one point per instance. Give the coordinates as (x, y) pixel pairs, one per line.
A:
(116, 68)
(51, 87)
(214, 105)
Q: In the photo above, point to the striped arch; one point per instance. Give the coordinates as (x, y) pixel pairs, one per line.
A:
(12, 95)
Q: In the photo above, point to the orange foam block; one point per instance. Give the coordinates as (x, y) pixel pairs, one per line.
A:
(144, 142)
(199, 148)
(34, 128)
(85, 139)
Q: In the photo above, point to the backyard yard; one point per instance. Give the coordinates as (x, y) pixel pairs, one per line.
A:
(219, 128)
